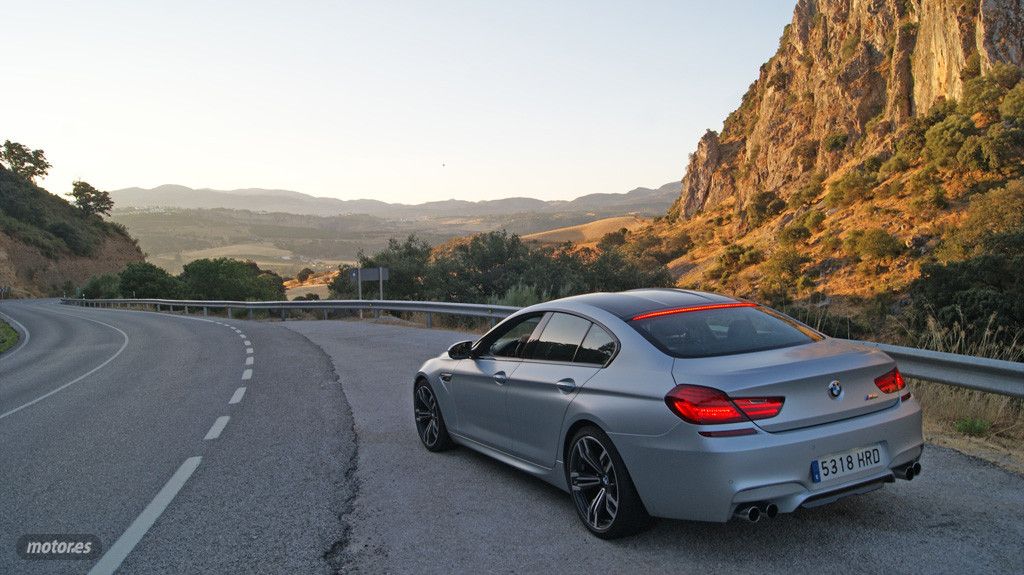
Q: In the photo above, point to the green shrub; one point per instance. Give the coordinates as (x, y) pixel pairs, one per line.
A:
(1006, 75)
(981, 95)
(873, 243)
(1012, 107)
(836, 141)
(944, 139)
(853, 186)
(813, 219)
(973, 426)
(806, 194)
(146, 281)
(104, 286)
(763, 206)
(794, 234)
(894, 165)
(228, 279)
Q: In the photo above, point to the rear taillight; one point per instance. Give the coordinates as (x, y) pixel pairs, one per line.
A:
(709, 406)
(890, 382)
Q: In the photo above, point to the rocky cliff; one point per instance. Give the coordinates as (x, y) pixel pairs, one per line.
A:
(847, 76)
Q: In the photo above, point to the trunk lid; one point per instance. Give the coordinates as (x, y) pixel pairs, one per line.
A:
(801, 374)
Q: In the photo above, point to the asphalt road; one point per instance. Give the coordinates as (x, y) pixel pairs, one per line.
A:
(109, 426)
(461, 512)
(89, 455)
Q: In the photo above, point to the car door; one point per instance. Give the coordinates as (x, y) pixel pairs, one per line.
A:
(479, 384)
(568, 352)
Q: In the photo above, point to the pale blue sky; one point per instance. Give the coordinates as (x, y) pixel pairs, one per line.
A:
(399, 101)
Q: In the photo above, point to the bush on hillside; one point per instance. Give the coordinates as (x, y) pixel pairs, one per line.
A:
(144, 280)
(227, 279)
(873, 243)
(106, 286)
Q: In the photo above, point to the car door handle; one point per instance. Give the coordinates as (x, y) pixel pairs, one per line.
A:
(500, 378)
(566, 385)
(446, 377)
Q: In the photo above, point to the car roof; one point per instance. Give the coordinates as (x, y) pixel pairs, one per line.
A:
(628, 304)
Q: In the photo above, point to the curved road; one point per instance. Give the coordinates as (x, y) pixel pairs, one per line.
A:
(106, 424)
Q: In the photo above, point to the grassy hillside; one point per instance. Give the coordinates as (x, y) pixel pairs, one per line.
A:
(588, 233)
(50, 223)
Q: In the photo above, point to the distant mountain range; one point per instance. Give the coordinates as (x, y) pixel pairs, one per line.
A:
(643, 201)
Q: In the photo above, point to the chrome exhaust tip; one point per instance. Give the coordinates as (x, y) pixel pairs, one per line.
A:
(770, 510)
(917, 468)
(750, 513)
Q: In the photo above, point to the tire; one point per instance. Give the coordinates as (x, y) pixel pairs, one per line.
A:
(429, 422)
(597, 480)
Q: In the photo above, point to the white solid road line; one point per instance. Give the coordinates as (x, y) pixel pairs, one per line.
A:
(247, 374)
(218, 427)
(117, 553)
(79, 378)
(248, 351)
(239, 393)
(248, 360)
(24, 340)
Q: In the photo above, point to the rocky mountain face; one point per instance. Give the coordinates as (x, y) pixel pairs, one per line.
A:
(848, 75)
(32, 273)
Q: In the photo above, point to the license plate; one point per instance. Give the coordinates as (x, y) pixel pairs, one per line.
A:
(838, 465)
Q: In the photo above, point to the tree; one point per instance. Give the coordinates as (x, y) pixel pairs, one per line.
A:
(303, 275)
(101, 287)
(145, 280)
(228, 279)
(90, 200)
(943, 140)
(27, 163)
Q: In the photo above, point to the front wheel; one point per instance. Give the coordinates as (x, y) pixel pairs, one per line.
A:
(429, 421)
(606, 500)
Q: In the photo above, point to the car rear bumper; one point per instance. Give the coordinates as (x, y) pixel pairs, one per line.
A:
(682, 475)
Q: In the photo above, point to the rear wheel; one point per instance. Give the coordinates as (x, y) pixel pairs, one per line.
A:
(606, 500)
(429, 421)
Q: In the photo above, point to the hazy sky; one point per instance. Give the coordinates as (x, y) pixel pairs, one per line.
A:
(399, 101)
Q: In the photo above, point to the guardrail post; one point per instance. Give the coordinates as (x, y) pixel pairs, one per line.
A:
(186, 310)
(430, 319)
(325, 314)
(251, 314)
(493, 321)
(228, 309)
(206, 311)
(157, 307)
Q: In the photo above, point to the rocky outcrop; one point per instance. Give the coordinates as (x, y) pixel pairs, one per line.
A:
(847, 75)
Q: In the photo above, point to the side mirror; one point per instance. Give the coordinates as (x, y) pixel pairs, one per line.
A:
(461, 350)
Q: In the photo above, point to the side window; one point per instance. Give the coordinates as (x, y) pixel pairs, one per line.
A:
(560, 339)
(509, 343)
(597, 348)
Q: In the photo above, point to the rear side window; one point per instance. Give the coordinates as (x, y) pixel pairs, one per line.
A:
(597, 348)
(726, 331)
(515, 338)
(560, 339)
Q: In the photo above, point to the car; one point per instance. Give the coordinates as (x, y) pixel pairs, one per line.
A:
(675, 404)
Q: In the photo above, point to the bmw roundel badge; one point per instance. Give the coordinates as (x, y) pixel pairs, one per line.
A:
(835, 389)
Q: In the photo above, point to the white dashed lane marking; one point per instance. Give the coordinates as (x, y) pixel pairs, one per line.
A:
(248, 360)
(247, 374)
(239, 393)
(218, 427)
(248, 351)
(247, 342)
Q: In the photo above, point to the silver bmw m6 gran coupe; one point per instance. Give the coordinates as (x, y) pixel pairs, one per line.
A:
(673, 403)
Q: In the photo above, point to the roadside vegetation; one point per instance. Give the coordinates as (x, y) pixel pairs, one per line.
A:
(44, 220)
(499, 268)
(8, 336)
(207, 279)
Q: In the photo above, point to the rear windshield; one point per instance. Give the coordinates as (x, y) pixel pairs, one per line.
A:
(724, 331)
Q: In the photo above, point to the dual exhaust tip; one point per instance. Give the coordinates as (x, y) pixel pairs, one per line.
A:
(908, 471)
(753, 513)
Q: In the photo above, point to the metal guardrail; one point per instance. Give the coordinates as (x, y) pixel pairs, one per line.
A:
(982, 374)
(492, 312)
